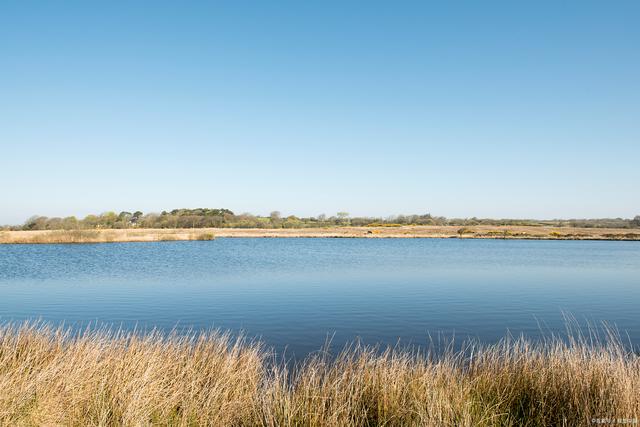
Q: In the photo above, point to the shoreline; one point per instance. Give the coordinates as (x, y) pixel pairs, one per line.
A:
(442, 232)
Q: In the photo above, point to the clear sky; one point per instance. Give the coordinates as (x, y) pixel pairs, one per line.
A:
(488, 109)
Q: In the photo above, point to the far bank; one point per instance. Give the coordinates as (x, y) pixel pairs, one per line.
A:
(174, 234)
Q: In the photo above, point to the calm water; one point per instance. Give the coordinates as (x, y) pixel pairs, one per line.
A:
(294, 293)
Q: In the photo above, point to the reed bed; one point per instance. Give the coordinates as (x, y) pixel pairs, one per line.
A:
(103, 236)
(373, 231)
(51, 376)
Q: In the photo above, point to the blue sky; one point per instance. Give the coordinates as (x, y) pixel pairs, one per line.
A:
(488, 109)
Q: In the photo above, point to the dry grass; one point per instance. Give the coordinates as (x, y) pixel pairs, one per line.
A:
(104, 236)
(49, 377)
(395, 231)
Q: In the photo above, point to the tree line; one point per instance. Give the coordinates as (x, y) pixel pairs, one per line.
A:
(225, 218)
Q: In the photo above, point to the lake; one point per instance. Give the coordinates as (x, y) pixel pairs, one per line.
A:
(295, 293)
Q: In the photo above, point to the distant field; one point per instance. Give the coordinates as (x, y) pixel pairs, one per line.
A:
(470, 232)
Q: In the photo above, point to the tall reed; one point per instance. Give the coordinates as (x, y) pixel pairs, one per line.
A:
(51, 376)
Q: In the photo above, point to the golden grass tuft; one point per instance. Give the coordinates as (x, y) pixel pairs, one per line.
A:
(66, 236)
(104, 236)
(52, 377)
(49, 377)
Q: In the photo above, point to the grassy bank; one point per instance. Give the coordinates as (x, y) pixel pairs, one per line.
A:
(103, 236)
(50, 377)
(471, 232)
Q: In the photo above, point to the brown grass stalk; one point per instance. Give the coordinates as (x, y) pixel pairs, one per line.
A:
(52, 377)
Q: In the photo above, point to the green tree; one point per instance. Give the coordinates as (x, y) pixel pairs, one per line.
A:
(90, 221)
(70, 223)
(108, 219)
(275, 218)
(135, 218)
(124, 215)
(36, 222)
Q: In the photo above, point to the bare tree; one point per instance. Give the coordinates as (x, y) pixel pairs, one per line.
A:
(343, 217)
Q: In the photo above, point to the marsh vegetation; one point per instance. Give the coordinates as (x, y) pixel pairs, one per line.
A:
(413, 231)
(52, 376)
